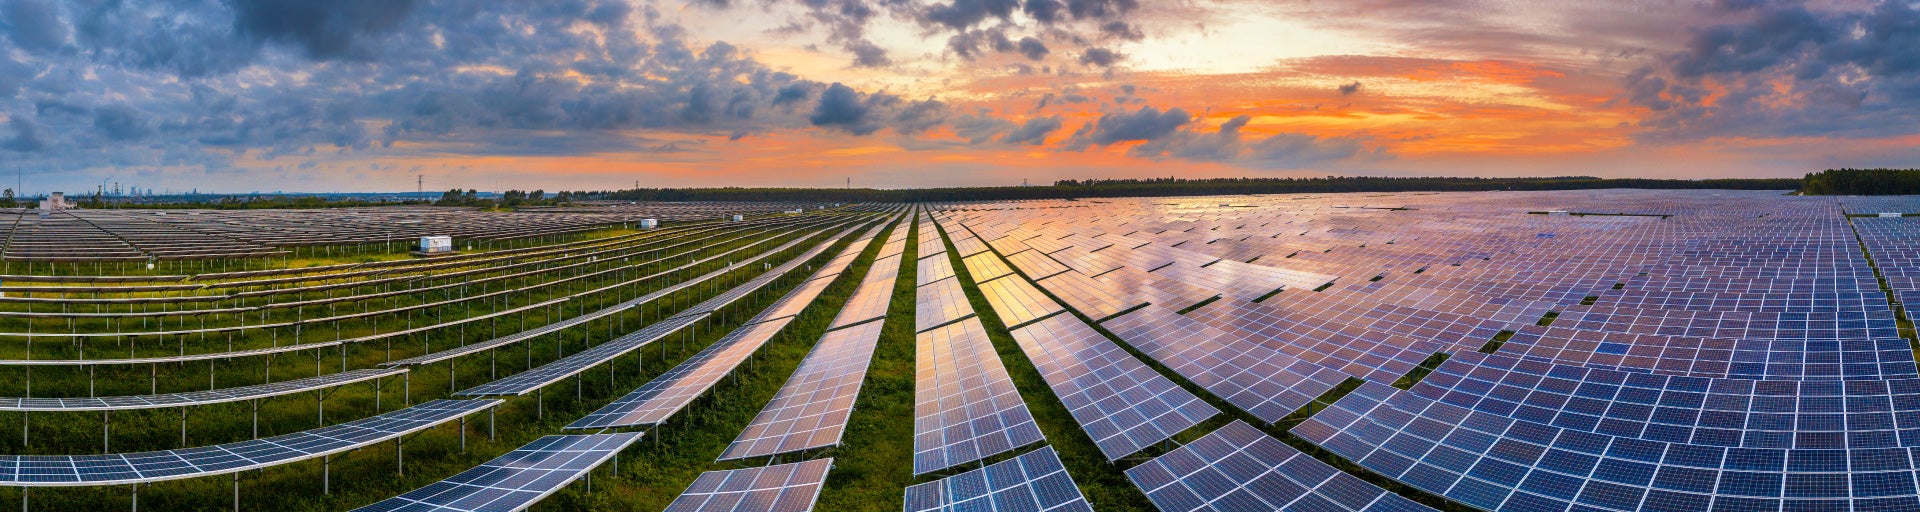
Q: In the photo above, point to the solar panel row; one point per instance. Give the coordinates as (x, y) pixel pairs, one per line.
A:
(515, 480)
(1032, 482)
(1238, 468)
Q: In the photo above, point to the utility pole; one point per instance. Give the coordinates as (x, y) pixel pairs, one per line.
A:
(420, 184)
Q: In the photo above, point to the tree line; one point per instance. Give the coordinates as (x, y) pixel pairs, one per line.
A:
(1863, 182)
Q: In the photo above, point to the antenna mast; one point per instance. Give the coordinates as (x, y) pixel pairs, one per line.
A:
(420, 184)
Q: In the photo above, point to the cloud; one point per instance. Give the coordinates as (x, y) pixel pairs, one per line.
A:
(1171, 135)
(843, 108)
(1349, 89)
(34, 25)
(120, 122)
(868, 55)
(962, 14)
(919, 116)
(25, 139)
(324, 29)
(1033, 132)
(1101, 57)
(1121, 30)
(1033, 48)
(1786, 71)
(1147, 124)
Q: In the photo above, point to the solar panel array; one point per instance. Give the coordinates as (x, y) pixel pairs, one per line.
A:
(1656, 350)
(1239, 468)
(513, 481)
(812, 408)
(191, 398)
(667, 394)
(1034, 481)
(965, 405)
(1120, 403)
(112, 469)
(530, 380)
(783, 488)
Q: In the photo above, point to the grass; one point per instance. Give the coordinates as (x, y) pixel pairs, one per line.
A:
(874, 464)
(1493, 345)
(1425, 368)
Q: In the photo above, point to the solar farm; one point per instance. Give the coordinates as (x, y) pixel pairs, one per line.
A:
(1606, 350)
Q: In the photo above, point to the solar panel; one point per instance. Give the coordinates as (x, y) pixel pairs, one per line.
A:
(1120, 403)
(812, 408)
(667, 394)
(934, 269)
(1034, 481)
(965, 406)
(1037, 266)
(939, 303)
(969, 246)
(515, 480)
(117, 469)
(1240, 468)
(1091, 297)
(986, 267)
(116, 403)
(530, 380)
(874, 295)
(783, 488)
(1264, 382)
(1018, 302)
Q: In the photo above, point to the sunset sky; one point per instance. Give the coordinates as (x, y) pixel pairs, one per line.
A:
(363, 95)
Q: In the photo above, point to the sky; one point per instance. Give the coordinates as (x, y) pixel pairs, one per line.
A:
(378, 95)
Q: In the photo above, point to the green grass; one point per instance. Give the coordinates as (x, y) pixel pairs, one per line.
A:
(874, 464)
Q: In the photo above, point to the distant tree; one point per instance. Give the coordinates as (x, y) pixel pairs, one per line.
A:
(6, 199)
(1862, 182)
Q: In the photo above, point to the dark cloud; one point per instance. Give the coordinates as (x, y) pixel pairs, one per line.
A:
(1787, 71)
(1279, 151)
(969, 44)
(963, 14)
(34, 25)
(324, 29)
(1101, 57)
(1101, 9)
(919, 116)
(1145, 124)
(1047, 12)
(843, 108)
(981, 128)
(1349, 89)
(868, 55)
(1034, 132)
(25, 139)
(120, 122)
(1033, 48)
(1121, 30)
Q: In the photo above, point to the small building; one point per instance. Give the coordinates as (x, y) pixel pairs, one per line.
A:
(436, 244)
(55, 201)
(1559, 212)
(737, 217)
(649, 223)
